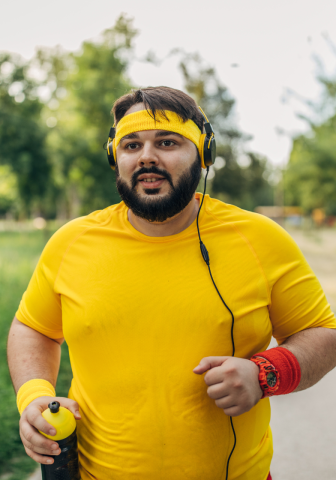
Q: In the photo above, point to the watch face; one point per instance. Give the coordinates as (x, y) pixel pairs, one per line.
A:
(271, 379)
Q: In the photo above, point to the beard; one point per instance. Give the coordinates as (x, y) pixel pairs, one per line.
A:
(163, 207)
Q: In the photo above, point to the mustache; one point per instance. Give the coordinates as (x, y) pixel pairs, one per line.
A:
(152, 169)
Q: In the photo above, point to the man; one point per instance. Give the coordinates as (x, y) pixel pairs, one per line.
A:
(128, 289)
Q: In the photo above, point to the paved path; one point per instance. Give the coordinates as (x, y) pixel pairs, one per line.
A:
(304, 423)
(304, 432)
(36, 475)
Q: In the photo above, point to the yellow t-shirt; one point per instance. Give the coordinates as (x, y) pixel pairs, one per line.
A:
(138, 313)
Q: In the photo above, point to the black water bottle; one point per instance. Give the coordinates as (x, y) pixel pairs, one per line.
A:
(65, 466)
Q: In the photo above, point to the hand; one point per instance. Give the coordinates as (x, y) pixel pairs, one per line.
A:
(233, 383)
(31, 421)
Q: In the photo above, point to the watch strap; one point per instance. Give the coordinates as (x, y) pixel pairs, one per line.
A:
(269, 378)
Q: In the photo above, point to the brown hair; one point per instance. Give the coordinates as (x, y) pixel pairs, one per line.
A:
(158, 99)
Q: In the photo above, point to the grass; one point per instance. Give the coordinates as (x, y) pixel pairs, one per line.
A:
(19, 253)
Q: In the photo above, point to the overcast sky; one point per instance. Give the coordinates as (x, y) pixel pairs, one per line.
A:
(260, 49)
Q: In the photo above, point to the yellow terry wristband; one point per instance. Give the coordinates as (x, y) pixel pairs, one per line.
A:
(33, 389)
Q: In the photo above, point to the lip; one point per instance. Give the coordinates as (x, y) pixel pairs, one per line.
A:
(150, 175)
(149, 185)
(155, 184)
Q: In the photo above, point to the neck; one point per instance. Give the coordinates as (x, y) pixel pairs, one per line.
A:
(171, 226)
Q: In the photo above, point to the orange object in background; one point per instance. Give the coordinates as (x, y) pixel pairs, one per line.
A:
(318, 215)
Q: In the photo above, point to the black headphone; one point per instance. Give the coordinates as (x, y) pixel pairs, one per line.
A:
(109, 148)
(207, 146)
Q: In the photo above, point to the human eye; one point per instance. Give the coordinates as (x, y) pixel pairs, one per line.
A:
(167, 143)
(131, 146)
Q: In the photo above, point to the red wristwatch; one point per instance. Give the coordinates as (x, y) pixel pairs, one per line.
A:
(269, 378)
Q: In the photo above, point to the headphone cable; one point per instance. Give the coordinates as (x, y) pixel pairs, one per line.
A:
(206, 258)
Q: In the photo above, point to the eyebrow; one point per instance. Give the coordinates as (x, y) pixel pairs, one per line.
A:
(130, 135)
(166, 133)
(160, 133)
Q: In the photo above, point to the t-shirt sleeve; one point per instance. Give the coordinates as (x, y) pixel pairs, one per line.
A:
(40, 307)
(297, 299)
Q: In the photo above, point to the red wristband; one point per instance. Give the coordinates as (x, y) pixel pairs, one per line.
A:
(287, 365)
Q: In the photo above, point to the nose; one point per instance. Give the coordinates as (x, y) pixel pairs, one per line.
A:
(148, 156)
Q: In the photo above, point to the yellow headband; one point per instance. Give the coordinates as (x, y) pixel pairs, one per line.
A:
(142, 120)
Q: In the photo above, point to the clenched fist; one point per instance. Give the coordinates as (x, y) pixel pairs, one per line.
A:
(232, 382)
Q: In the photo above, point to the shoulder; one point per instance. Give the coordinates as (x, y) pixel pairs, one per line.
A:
(267, 238)
(98, 218)
(235, 216)
(69, 233)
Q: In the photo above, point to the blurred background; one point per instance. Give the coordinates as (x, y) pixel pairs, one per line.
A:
(265, 74)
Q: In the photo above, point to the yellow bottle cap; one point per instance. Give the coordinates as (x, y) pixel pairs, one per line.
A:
(61, 419)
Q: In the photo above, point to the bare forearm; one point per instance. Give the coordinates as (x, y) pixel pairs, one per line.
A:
(31, 355)
(315, 350)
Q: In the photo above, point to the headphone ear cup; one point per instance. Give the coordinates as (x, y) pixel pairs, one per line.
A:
(209, 154)
(207, 150)
(110, 155)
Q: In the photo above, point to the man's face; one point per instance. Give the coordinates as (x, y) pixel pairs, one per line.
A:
(157, 172)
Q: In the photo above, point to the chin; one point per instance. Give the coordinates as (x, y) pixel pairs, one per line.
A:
(152, 191)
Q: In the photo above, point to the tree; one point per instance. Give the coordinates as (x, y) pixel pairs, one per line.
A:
(87, 84)
(22, 137)
(310, 179)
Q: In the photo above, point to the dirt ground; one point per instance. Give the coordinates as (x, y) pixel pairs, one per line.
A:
(304, 423)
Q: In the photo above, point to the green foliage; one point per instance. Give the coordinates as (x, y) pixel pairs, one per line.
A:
(22, 137)
(247, 187)
(8, 189)
(310, 177)
(310, 180)
(18, 256)
(19, 253)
